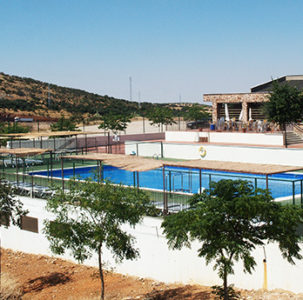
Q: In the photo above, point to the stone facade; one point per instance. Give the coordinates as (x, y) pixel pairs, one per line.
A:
(243, 98)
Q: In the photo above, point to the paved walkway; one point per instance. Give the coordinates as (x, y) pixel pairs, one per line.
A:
(295, 146)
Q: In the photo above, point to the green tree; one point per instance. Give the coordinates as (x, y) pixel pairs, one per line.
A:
(285, 105)
(160, 116)
(11, 208)
(230, 220)
(196, 112)
(64, 125)
(90, 217)
(115, 122)
(13, 128)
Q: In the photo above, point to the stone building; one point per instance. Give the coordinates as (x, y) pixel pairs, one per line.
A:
(247, 105)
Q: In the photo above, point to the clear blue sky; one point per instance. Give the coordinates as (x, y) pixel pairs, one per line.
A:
(169, 47)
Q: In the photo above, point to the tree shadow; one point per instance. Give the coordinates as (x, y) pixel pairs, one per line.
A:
(179, 293)
(43, 282)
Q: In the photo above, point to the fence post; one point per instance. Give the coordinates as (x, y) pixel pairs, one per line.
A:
(161, 149)
(256, 185)
(293, 193)
(108, 141)
(32, 195)
(101, 171)
(169, 181)
(138, 184)
(98, 171)
(17, 170)
(62, 174)
(51, 164)
(47, 169)
(85, 143)
(23, 171)
(301, 194)
(74, 171)
(165, 204)
(134, 177)
(200, 180)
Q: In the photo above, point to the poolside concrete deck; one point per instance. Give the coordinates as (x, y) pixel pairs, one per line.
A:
(294, 146)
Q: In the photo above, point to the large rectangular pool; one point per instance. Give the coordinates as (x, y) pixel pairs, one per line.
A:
(183, 180)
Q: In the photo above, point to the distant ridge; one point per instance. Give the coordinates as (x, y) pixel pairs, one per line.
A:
(30, 97)
(21, 94)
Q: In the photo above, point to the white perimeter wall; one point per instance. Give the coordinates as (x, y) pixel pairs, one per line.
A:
(184, 136)
(226, 137)
(250, 154)
(160, 263)
(236, 153)
(143, 148)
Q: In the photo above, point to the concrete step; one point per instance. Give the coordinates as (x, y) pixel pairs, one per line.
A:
(293, 138)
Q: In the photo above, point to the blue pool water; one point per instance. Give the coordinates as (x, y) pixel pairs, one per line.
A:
(184, 180)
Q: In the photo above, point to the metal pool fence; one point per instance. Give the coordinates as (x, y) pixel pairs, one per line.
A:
(177, 187)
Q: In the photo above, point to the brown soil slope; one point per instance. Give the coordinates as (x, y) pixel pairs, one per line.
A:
(42, 277)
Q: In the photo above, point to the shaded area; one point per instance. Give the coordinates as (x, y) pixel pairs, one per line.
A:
(43, 282)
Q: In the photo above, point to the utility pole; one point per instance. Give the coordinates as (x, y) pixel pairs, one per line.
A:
(130, 89)
(139, 99)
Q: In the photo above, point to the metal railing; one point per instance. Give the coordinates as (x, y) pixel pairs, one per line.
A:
(178, 186)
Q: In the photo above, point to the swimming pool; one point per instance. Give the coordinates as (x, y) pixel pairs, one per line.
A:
(184, 180)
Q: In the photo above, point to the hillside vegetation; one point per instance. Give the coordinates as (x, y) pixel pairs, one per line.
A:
(30, 97)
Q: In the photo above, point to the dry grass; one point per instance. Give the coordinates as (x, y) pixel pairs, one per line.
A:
(10, 289)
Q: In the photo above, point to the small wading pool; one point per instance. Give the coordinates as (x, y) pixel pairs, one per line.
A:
(184, 180)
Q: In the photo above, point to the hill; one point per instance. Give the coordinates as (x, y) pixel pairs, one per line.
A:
(21, 96)
(34, 97)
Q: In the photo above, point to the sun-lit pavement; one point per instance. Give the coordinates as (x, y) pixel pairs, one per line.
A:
(139, 126)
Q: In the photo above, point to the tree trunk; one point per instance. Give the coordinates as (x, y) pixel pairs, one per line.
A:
(225, 285)
(285, 136)
(101, 271)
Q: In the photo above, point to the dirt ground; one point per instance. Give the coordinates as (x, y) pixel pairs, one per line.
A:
(43, 277)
